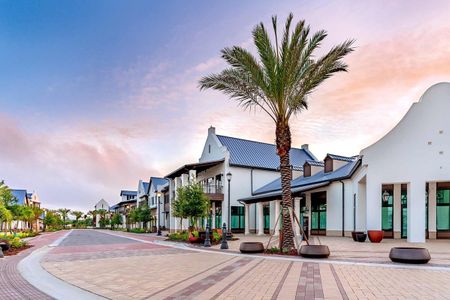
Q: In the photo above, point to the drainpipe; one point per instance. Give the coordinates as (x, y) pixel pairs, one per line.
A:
(343, 207)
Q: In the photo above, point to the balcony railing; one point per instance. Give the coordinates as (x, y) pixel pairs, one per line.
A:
(212, 188)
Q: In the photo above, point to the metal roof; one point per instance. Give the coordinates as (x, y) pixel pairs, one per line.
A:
(343, 172)
(157, 182)
(145, 184)
(277, 194)
(342, 158)
(20, 195)
(195, 166)
(315, 163)
(253, 154)
(128, 193)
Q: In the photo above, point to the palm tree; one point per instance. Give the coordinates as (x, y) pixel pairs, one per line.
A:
(77, 215)
(279, 84)
(37, 214)
(64, 213)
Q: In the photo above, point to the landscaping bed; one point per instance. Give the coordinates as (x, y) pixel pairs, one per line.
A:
(195, 236)
(15, 242)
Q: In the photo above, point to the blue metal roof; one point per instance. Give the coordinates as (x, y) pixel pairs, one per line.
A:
(343, 172)
(342, 158)
(146, 184)
(128, 193)
(158, 181)
(254, 154)
(20, 195)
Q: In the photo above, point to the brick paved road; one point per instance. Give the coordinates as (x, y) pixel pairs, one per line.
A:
(128, 269)
(12, 285)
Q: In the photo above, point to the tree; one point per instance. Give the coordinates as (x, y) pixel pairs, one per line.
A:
(116, 219)
(37, 213)
(78, 215)
(102, 213)
(6, 197)
(51, 220)
(191, 203)
(134, 216)
(64, 212)
(279, 84)
(5, 216)
(144, 214)
(27, 216)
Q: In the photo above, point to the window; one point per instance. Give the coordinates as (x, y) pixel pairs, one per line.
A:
(209, 148)
(237, 217)
(443, 207)
(387, 207)
(319, 213)
(404, 208)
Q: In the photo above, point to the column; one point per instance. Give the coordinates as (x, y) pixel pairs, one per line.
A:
(297, 213)
(373, 204)
(416, 212)
(397, 211)
(213, 215)
(308, 207)
(260, 218)
(432, 210)
(247, 219)
(276, 229)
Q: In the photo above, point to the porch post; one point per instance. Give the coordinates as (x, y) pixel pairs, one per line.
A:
(432, 210)
(247, 218)
(276, 229)
(213, 215)
(297, 213)
(259, 206)
(397, 210)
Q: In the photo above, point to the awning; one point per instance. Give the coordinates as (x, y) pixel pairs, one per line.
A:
(277, 195)
(195, 166)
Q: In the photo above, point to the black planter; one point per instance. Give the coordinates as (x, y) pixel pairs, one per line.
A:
(354, 233)
(361, 237)
(410, 255)
(4, 245)
(315, 251)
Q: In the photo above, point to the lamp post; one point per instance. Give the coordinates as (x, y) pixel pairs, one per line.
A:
(229, 175)
(158, 195)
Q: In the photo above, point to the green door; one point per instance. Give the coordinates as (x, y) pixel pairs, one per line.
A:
(319, 213)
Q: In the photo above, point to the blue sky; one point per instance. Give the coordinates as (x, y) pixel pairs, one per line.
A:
(95, 95)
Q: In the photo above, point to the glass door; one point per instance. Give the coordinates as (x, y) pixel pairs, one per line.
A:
(404, 210)
(443, 210)
(387, 207)
(319, 213)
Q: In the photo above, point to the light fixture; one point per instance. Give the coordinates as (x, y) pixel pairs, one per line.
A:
(229, 175)
(386, 196)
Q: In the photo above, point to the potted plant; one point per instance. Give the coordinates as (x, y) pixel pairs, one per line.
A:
(375, 236)
(354, 233)
(193, 237)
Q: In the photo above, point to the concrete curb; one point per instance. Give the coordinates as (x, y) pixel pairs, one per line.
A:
(31, 270)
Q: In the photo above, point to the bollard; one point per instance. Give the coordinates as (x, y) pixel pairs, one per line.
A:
(224, 244)
(207, 242)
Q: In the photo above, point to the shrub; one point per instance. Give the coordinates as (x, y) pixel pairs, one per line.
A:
(216, 236)
(17, 243)
(137, 230)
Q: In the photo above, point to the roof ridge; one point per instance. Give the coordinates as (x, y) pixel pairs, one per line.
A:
(258, 142)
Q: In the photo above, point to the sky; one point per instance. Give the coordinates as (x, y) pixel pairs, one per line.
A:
(95, 95)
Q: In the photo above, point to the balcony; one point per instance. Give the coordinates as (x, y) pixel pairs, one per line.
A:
(213, 191)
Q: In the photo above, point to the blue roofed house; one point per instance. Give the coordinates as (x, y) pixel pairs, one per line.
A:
(252, 165)
(157, 191)
(127, 202)
(323, 198)
(26, 199)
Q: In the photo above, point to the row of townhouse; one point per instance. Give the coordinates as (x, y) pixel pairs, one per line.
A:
(23, 197)
(400, 184)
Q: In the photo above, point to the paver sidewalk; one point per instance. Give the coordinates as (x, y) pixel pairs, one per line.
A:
(12, 284)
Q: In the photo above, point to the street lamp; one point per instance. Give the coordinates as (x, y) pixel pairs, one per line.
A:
(158, 195)
(229, 175)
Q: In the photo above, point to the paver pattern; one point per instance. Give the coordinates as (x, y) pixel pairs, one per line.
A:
(123, 268)
(12, 285)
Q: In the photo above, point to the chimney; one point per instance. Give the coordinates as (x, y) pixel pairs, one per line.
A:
(305, 146)
(211, 130)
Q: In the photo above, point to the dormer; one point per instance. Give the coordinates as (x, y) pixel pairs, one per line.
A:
(312, 167)
(333, 162)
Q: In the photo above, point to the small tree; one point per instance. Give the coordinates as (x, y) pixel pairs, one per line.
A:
(134, 216)
(102, 213)
(64, 212)
(191, 203)
(116, 219)
(5, 216)
(78, 215)
(144, 215)
(37, 213)
(51, 220)
(6, 197)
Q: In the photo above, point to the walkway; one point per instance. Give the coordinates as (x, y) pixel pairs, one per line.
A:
(120, 265)
(12, 285)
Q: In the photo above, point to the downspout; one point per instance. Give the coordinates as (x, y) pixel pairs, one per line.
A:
(343, 207)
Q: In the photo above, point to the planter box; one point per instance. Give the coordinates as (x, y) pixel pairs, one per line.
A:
(251, 247)
(315, 251)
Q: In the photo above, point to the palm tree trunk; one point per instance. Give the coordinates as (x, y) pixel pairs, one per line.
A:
(283, 141)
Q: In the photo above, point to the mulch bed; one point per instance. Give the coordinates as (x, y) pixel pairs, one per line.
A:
(14, 251)
(290, 253)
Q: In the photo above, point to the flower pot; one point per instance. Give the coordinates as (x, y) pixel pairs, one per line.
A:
(193, 239)
(354, 235)
(375, 236)
(410, 255)
(4, 245)
(251, 247)
(360, 237)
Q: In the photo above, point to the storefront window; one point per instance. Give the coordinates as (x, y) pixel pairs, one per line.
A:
(443, 209)
(387, 207)
(237, 217)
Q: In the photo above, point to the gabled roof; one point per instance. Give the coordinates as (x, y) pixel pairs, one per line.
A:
(341, 158)
(155, 182)
(145, 184)
(20, 195)
(194, 166)
(128, 193)
(253, 154)
(343, 172)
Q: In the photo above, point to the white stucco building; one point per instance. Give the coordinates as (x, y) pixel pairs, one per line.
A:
(400, 184)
